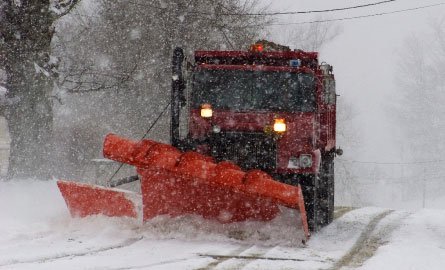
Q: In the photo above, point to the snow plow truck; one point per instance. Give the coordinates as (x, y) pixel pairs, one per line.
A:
(251, 132)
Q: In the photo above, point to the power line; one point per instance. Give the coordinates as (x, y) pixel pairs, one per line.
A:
(301, 12)
(143, 137)
(393, 163)
(271, 13)
(362, 16)
(398, 180)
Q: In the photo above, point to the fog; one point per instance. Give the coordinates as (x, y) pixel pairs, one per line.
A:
(365, 56)
(384, 63)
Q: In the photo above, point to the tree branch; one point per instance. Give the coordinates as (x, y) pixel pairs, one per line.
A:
(67, 5)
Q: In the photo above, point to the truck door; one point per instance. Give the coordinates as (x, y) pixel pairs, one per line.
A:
(328, 113)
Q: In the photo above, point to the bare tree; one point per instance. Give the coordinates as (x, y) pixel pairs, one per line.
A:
(421, 98)
(313, 36)
(115, 71)
(420, 107)
(26, 29)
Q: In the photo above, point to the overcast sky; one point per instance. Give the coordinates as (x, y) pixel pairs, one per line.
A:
(364, 57)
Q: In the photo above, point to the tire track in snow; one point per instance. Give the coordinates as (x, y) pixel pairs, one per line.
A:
(261, 252)
(241, 261)
(148, 266)
(220, 260)
(123, 244)
(342, 210)
(370, 240)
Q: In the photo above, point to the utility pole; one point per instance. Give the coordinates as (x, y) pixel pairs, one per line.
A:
(424, 187)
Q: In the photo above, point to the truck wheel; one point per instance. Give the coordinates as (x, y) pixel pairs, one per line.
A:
(326, 190)
(312, 203)
(319, 195)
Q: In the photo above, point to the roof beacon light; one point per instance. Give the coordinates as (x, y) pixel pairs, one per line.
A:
(257, 47)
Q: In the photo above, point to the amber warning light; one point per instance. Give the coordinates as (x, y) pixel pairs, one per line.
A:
(279, 125)
(206, 111)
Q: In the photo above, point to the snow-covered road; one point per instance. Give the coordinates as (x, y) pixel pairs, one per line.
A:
(36, 232)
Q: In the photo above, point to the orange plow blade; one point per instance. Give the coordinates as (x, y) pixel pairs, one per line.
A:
(85, 200)
(175, 183)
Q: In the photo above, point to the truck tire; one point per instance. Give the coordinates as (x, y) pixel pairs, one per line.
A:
(319, 195)
(318, 192)
(326, 190)
(311, 204)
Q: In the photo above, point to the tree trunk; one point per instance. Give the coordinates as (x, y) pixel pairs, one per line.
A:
(26, 49)
(29, 116)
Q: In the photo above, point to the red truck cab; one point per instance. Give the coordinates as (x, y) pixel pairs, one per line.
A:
(270, 109)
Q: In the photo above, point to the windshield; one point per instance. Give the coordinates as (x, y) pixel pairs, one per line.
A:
(241, 90)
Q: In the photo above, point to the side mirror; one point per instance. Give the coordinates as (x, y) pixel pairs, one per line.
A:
(339, 151)
(178, 83)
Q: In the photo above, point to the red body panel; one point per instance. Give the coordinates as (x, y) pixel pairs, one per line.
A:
(247, 54)
(299, 138)
(254, 68)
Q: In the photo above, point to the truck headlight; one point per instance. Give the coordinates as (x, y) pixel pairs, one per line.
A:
(305, 161)
(293, 163)
(279, 125)
(206, 111)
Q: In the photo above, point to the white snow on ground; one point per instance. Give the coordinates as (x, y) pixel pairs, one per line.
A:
(36, 232)
(419, 243)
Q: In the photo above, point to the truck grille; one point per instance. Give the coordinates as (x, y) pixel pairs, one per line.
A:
(247, 150)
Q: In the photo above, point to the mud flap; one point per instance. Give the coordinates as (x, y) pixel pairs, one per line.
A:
(85, 200)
